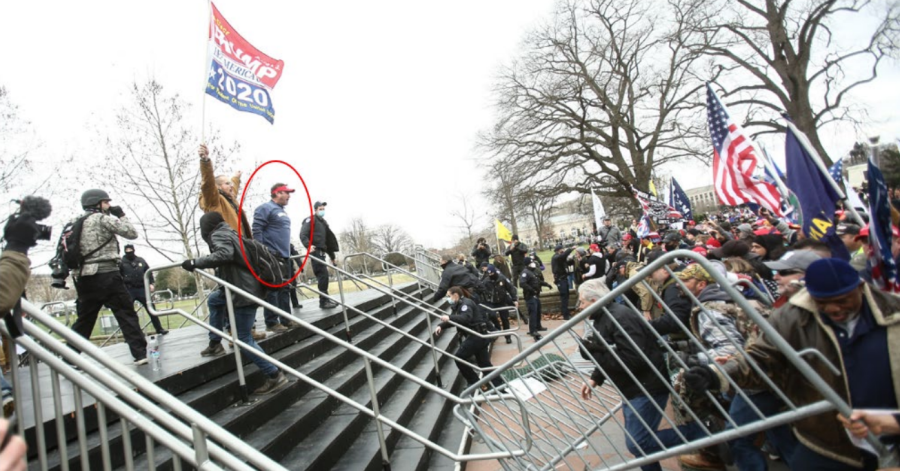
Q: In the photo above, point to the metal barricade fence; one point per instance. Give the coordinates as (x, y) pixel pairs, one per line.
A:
(617, 424)
(427, 266)
(112, 388)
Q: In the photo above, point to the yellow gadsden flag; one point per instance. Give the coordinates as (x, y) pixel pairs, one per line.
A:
(502, 232)
(653, 188)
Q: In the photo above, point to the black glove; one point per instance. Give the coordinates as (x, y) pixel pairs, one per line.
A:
(20, 233)
(117, 211)
(699, 379)
(188, 265)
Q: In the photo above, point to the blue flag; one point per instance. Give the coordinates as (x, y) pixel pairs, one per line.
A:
(679, 200)
(815, 195)
(837, 170)
(881, 263)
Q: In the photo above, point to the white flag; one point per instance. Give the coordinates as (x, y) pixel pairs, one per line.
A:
(853, 198)
(599, 212)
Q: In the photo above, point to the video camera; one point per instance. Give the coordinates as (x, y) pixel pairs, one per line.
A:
(36, 208)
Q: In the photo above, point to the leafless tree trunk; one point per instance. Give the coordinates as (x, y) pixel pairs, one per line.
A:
(357, 239)
(605, 93)
(786, 59)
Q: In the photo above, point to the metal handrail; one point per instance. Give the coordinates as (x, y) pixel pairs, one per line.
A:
(150, 297)
(126, 383)
(369, 359)
(831, 401)
(395, 267)
(66, 309)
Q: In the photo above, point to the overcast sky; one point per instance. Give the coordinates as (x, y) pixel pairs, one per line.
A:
(378, 107)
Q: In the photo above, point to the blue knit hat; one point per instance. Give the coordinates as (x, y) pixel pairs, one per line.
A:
(830, 277)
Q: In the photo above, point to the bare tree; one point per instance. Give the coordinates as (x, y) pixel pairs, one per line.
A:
(503, 185)
(466, 216)
(389, 240)
(604, 93)
(786, 58)
(539, 208)
(357, 239)
(153, 165)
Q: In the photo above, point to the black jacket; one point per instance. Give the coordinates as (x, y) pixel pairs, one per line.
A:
(595, 260)
(680, 306)
(454, 275)
(481, 254)
(559, 266)
(467, 314)
(531, 284)
(517, 253)
(499, 291)
(638, 333)
(323, 238)
(133, 272)
(225, 256)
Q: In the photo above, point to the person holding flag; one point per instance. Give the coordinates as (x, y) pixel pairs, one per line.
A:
(884, 238)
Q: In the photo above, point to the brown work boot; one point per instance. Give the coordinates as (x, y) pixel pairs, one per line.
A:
(257, 335)
(701, 462)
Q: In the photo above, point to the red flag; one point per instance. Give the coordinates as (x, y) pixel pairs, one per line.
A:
(266, 69)
(734, 162)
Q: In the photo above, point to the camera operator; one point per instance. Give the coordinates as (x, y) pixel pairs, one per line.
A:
(98, 281)
(481, 252)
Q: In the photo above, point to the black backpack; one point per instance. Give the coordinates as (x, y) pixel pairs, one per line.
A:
(267, 265)
(68, 249)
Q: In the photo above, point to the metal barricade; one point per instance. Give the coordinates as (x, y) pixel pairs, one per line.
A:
(616, 424)
(427, 266)
(165, 421)
(372, 410)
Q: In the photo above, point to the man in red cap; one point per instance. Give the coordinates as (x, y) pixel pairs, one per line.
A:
(595, 265)
(272, 228)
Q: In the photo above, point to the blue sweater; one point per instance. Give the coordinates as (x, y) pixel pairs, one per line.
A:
(272, 227)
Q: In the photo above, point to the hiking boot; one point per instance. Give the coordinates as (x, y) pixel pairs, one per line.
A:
(290, 325)
(257, 335)
(537, 337)
(272, 384)
(9, 407)
(701, 462)
(276, 329)
(141, 361)
(328, 304)
(213, 351)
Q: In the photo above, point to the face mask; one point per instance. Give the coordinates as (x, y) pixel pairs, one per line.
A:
(493, 276)
(532, 265)
(321, 214)
(129, 255)
(452, 301)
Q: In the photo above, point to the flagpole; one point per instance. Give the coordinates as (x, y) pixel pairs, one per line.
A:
(804, 141)
(206, 64)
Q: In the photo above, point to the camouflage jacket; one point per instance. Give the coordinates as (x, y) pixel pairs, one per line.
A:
(97, 230)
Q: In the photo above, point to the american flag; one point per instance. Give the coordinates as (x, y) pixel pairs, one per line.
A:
(734, 162)
(880, 261)
(837, 171)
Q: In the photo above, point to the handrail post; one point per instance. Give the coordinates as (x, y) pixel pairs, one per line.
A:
(200, 450)
(245, 397)
(391, 285)
(344, 305)
(437, 369)
(385, 458)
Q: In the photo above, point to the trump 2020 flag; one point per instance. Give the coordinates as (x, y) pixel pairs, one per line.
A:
(817, 198)
(643, 229)
(679, 200)
(880, 261)
(239, 74)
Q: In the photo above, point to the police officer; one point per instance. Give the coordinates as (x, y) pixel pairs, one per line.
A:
(499, 292)
(324, 242)
(463, 311)
(98, 282)
(531, 291)
(559, 264)
(454, 275)
(132, 270)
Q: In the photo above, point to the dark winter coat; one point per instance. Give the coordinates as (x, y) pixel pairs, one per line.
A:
(225, 256)
(133, 272)
(518, 253)
(323, 238)
(531, 283)
(499, 291)
(454, 275)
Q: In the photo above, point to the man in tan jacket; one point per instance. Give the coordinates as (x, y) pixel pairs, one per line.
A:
(220, 194)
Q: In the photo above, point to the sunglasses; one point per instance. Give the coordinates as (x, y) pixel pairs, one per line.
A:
(788, 272)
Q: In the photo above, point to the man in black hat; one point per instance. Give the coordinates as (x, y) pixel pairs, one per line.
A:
(132, 269)
(559, 264)
(318, 238)
(517, 251)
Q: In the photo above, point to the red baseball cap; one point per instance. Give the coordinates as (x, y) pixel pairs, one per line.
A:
(283, 188)
(863, 233)
(595, 248)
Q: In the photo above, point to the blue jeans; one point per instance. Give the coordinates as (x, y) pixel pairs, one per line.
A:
(5, 387)
(571, 281)
(747, 457)
(280, 298)
(245, 317)
(218, 313)
(641, 439)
